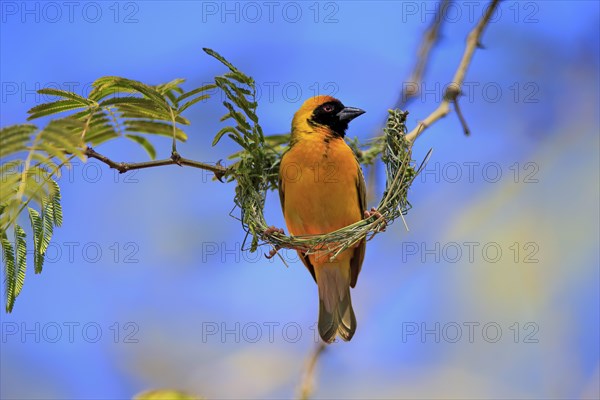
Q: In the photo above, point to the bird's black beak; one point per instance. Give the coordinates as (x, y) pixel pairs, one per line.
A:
(349, 113)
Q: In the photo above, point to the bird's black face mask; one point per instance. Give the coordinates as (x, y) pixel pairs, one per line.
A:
(334, 115)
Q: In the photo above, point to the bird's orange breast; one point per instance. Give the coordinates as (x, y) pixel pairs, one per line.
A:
(319, 177)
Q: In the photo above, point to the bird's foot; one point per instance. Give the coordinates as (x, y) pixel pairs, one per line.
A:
(269, 231)
(378, 217)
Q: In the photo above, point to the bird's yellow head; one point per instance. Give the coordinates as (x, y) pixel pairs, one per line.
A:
(325, 115)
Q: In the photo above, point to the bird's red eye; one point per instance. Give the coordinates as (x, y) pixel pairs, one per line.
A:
(328, 108)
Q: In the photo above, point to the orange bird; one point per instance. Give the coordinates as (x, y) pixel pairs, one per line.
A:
(322, 189)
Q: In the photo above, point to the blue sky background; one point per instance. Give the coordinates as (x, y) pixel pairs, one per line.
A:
(147, 268)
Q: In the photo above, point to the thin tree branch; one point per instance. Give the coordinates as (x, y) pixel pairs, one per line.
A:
(412, 87)
(122, 167)
(453, 90)
(307, 385)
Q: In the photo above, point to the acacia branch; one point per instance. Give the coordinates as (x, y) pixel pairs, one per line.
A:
(123, 167)
(454, 89)
(307, 386)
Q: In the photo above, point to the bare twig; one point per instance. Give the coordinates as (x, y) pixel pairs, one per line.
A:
(307, 385)
(461, 118)
(122, 167)
(454, 89)
(412, 87)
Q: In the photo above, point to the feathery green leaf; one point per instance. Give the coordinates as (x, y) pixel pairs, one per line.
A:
(15, 138)
(38, 231)
(174, 85)
(240, 77)
(66, 94)
(21, 262)
(100, 135)
(196, 91)
(113, 85)
(195, 100)
(129, 111)
(62, 137)
(54, 107)
(47, 223)
(236, 115)
(10, 272)
(222, 59)
(55, 197)
(219, 135)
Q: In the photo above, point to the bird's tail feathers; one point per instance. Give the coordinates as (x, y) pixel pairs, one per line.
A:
(336, 316)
